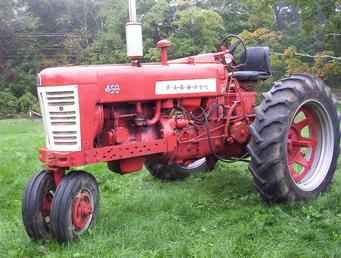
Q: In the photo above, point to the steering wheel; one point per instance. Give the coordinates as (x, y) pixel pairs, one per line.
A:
(226, 43)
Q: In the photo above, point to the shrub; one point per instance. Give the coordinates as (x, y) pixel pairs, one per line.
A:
(8, 104)
(27, 102)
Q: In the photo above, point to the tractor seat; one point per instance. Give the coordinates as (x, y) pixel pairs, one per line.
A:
(257, 67)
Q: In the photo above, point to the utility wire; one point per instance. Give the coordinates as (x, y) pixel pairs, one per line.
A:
(334, 34)
(338, 58)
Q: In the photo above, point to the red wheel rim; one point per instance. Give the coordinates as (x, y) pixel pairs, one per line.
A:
(82, 210)
(46, 205)
(302, 143)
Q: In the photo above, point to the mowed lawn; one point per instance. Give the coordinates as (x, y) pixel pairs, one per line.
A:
(215, 214)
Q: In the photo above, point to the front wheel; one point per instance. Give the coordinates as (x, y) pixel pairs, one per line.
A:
(295, 140)
(36, 206)
(75, 206)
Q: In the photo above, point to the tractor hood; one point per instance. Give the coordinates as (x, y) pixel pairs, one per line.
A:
(130, 83)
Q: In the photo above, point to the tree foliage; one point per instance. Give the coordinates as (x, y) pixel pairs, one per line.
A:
(196, 30)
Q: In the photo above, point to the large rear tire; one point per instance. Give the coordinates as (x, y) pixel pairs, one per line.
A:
(295, 140)
(177, 172)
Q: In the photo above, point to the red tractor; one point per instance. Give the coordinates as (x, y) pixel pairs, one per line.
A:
(176, 118)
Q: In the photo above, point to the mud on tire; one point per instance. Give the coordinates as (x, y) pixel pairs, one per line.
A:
(295, 140)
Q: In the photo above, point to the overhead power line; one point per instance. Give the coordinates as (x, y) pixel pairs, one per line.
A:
(42, 35)
(334, 34)
(46, 34)
(337, 58)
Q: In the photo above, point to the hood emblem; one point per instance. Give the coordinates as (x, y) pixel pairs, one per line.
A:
(113, 89)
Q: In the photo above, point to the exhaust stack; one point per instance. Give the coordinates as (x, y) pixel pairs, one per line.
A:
(134, 34)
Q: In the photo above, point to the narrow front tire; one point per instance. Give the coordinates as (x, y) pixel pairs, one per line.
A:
(75, 206)
(36, 206)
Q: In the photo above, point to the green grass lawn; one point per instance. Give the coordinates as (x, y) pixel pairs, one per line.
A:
(216, 214)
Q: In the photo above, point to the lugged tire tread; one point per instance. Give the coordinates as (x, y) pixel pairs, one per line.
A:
(280, 120)
(255, 134)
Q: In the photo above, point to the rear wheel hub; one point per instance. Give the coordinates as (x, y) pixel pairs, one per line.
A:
(309, 144)
(302, 139)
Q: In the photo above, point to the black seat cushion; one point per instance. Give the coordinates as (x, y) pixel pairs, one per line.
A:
(257, 67)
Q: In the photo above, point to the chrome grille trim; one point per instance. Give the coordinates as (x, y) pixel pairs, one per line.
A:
(60, 110)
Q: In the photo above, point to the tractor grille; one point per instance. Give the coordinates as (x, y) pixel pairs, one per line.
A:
(60, 110)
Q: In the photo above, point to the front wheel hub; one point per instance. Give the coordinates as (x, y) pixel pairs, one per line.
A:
(82, 210)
